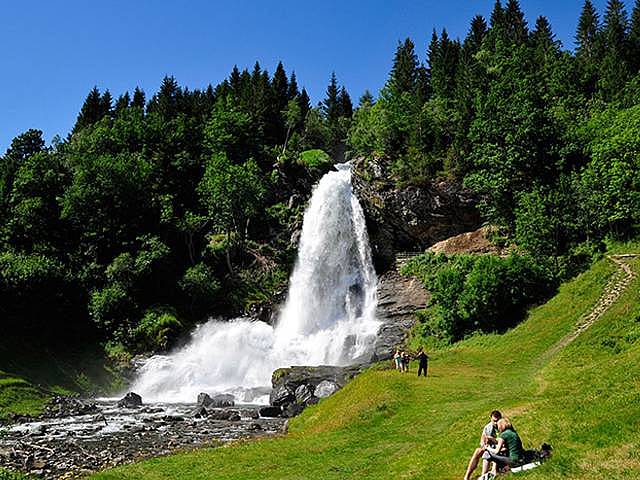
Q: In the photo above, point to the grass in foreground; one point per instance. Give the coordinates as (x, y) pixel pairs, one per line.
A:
(584, 400)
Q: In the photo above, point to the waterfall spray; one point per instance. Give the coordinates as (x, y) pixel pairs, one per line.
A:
(328, 317)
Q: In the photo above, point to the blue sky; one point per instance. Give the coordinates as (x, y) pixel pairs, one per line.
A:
(53, 52)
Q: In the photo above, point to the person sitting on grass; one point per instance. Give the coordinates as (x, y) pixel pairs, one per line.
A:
(487, 438)
(509, 438)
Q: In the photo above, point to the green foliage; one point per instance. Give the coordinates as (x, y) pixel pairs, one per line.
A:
(157, 328)
(477, 293)
(315, 160)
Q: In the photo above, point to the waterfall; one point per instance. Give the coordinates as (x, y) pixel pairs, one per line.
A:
(327, 319)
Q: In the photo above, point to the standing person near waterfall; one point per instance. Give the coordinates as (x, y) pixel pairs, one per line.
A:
(423, 362)
(397, 359)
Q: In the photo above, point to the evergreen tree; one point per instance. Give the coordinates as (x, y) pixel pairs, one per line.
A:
(91, 111)
(497, 19)
(280, 86)
(366, 100)
(587, 34)
(293, 91)
(234, 81)
(345, 104)
(166, 101)
(330, 104)
(122, 103)
(543, 41)
(614, 70)
(515, 23)
(138, 99)
(305, 103)
(404, 72)
(443, 62)
(634, 39)
(106, 104)
(473, 41)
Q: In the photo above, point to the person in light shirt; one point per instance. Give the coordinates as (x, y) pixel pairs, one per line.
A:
(487, 438)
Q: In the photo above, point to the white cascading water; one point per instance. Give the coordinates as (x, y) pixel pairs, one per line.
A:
(328, 318)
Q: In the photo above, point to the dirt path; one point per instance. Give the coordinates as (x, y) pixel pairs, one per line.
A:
(616, 286)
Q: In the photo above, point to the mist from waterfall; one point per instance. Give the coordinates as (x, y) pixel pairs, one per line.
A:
(327, 319)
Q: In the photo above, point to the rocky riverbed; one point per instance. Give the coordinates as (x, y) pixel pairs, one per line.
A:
(84, 437)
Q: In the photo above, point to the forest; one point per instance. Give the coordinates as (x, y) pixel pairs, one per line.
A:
(155, 213)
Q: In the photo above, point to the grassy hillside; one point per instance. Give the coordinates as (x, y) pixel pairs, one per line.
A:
(30, 374)
(584, 399)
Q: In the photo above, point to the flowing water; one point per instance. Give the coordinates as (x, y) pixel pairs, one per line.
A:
(328, 317)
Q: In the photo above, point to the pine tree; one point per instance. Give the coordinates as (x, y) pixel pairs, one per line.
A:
(497, 19)
(122, 103)
(634, 39)
(473, 41)
(405, 69)
(138, 99)
(515, 22)
(234, 81)
(106, 104)
(293, 91)
(305, 104)
(444, 55)
(330, 105)
(614, 70)
(587, 33)
(345, 104)
(366, 100)
(91, 110)
(280, 87)
(543, 41)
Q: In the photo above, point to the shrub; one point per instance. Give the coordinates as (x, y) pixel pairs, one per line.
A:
(477, 293)
(157, 328)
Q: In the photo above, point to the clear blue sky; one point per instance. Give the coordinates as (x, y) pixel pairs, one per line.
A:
(54, 52)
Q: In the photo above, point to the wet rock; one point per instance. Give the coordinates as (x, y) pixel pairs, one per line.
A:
(398, 299)
(270, 412)
(223, 400)
(304, 394)
(199, 412)
(230, 415)
(325, 388)
(288, 382)
(61, 406)
(130, 400)
(218, 401)
(281, 394)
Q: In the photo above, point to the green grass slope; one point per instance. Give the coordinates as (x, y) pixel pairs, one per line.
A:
(584, 400)
(31, 373)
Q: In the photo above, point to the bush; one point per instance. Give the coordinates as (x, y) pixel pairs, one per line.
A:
(157, 328)
(315, 160)
(477, 293)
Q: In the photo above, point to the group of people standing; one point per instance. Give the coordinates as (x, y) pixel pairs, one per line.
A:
(401, 361)
(500, 444)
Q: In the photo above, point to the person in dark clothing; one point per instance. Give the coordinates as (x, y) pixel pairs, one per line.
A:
(423, 361)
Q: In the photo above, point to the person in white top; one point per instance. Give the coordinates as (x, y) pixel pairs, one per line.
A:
(487, 438)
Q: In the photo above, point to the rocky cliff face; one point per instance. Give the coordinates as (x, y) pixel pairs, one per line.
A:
(412, 217)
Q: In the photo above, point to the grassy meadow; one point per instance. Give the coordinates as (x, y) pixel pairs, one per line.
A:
(584, 400)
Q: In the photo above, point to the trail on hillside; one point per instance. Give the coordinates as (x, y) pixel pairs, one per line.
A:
(616, 286)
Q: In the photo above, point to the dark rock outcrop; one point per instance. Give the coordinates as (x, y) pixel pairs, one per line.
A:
(130, 400)
(295, 388)
(412, 217)
(218, 401)
(398, 299)
(270, 412)
(60, 406)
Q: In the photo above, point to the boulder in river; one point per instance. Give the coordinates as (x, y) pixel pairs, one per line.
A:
(270, 411)
(130, 400)
(294, 388)
(218, 401)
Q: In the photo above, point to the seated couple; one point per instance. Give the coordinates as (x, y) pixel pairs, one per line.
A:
(499, 443)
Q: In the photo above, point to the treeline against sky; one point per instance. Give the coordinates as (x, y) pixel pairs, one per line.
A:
(549, 138)
(154, 214)
(157, 212)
